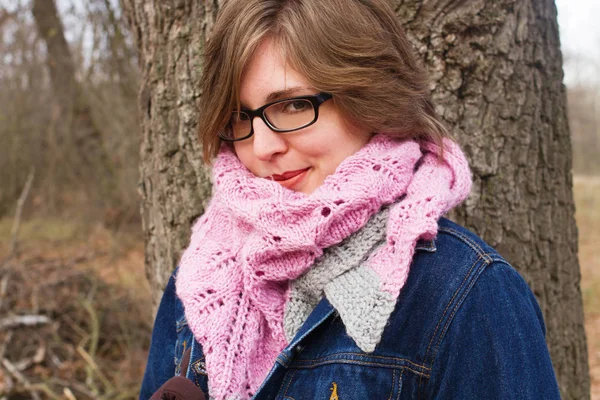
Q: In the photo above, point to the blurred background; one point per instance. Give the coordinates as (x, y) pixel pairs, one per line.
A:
(580, 42)
(75, 308)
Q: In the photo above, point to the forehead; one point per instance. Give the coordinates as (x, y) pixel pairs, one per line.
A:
(268, 74)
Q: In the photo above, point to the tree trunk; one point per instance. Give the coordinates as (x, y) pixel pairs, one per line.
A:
(59, 60)
(77, 140)
(175, 186)
(496, 72)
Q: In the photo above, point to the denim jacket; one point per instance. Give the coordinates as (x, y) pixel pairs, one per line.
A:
(466, 326)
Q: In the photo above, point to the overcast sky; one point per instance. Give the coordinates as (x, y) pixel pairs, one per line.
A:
(579, 24)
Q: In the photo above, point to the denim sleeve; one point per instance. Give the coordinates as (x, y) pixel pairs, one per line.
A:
(161, 366)
(495, 347)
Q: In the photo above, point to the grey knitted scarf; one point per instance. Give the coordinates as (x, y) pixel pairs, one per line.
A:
(353, 290)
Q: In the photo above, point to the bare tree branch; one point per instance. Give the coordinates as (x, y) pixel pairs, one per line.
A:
(21, 378)
(15, 228)
(23, 320)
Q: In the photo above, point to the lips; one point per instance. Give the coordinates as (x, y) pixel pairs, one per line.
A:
(287, 175)
(290, 179)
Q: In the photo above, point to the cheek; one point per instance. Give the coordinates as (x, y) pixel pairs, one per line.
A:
(315, 151)
(338, 146)
(326, 155)
(338, 140)
(243, 151)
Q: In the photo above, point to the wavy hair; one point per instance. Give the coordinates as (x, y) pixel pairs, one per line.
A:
(354, 49)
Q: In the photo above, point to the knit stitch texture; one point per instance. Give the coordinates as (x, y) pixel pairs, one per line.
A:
(351, 287)
(257, 236)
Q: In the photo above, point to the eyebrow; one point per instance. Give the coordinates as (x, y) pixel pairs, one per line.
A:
(281, 94)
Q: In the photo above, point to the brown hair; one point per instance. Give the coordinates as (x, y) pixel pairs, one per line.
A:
(354, 49)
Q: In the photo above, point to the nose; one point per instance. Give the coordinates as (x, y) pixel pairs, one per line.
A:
(267, 143)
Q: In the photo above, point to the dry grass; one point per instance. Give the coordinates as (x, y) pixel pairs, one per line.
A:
(90, 282)
(587, 200)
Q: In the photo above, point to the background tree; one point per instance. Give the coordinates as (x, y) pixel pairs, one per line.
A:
(71, 116)
(496, 70)
(68, 109)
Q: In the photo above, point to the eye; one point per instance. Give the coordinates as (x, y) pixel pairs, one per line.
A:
(237, 117)
(296, 106)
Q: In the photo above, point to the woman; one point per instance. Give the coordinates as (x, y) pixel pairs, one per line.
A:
(323, 267)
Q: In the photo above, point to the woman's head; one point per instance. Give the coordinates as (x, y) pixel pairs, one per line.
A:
(299, 160)
(354, 50)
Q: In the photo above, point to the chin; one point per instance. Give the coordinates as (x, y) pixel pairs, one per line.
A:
(308, 188)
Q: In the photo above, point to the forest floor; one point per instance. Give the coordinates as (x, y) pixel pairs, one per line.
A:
(587, 202)
(87, 288)
(88, 307)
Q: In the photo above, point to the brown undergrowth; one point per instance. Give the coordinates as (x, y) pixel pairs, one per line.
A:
(587, 200)
(75, 313)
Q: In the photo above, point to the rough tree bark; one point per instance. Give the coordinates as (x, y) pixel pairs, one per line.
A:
(496, 71)
(174, 183)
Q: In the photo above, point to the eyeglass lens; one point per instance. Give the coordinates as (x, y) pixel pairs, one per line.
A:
(285, 115)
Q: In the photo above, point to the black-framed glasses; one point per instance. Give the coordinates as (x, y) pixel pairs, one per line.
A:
(285, 115)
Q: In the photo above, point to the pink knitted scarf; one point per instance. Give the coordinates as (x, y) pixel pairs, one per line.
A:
(256, 236)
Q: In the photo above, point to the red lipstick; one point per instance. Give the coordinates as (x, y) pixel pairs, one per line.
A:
(287, 175)
(289, 179)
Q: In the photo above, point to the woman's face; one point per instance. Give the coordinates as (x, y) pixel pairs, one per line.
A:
(299, 160)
